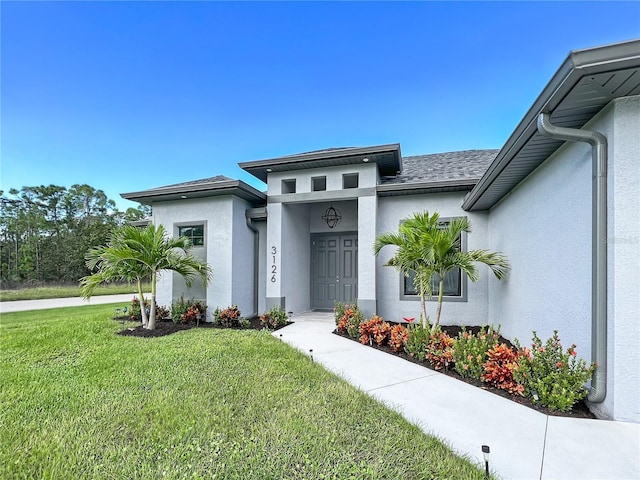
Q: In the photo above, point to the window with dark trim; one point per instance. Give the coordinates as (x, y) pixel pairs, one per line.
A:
(318, 184)
(452, 280)
(452, 284)
(289, 186)
(195, 234)
(350, 180)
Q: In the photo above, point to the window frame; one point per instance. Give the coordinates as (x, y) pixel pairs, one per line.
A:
(180, 226)
(445, 298)
(288, 186)
(319, 181)
(347, 178)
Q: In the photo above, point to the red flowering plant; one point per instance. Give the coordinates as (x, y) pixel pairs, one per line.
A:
(228, 317)
(551, 375)
(348, 319)
(398, 337)
(188, 311)
(440, 349)
(470, 351)
(501, 362)
(375, 329)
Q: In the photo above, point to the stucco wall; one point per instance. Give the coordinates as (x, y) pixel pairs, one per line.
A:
(217, 214)
(242, 275)
(273, 274)
(262, 266)
(624, 262)
(367, 268)
(544, 226)
(391, 211)
(348, 209)
(296, 263)
(367, 177)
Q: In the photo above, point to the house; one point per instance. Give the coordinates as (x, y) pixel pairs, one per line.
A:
(561, 199)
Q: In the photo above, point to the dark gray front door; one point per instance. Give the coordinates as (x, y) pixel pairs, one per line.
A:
(334, 269)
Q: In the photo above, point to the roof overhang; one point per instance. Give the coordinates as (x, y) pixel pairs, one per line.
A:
(586, 82)
(197, 190)
(387, 157)
(419, 188)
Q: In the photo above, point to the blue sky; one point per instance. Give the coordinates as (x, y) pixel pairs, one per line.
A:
(127, 96)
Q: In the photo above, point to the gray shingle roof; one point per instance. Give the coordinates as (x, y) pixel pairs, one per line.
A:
(216, 179)
(441, 167)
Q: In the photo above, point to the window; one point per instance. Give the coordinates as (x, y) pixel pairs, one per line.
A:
(318, 184)
(195, 233)
(289, 186)
(350, 180)
(453, 280)
(452, 284)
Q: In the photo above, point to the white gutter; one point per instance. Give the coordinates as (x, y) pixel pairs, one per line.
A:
(598, 143)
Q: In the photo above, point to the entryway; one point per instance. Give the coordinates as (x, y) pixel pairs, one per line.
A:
(334, 269)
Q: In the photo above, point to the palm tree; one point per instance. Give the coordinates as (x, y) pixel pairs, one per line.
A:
(413, 242)
(445, 254)
(110, 267)
(430, 249)
(134, 253)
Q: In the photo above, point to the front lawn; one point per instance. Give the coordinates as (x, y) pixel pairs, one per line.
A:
(39, 293)
(79, 401)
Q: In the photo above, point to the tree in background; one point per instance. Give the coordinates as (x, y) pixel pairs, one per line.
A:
(138, 253)
(46, 230)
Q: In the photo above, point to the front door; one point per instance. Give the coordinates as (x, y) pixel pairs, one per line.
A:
(334, 269)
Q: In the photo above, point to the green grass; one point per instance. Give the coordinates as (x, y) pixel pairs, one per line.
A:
(38, 293)
(79, 401)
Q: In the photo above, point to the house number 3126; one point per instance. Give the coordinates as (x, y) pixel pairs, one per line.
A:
(274, 268)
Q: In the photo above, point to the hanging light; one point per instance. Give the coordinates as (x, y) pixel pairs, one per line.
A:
(332, 217)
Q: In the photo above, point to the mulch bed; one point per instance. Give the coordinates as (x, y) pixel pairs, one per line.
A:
(579, 410)
(167, 327)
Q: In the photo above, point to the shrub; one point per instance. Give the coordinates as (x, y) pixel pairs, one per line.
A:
(398, 338)
(136, 315)
(276, 317)
(417, 341)
(555, 376)
(375, 329)
(338, 311)
(162, 312)
(499, 367)
(229, 317)
(349, 321)
(440, 349)
(470, 351)
(244, 323)
(187, 311)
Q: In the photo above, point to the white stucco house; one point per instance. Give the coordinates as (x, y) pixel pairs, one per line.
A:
(561, 199)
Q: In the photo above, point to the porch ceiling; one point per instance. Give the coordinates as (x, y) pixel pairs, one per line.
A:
(586, 82)
(387, 157)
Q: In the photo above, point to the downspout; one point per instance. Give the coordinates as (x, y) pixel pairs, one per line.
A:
(256, 252)
(598, 143)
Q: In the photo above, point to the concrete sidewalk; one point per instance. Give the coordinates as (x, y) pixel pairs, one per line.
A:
(525, 444)
(24, 305)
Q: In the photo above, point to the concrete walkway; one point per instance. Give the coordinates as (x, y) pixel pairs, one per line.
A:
(23, 305)
(525, 444)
